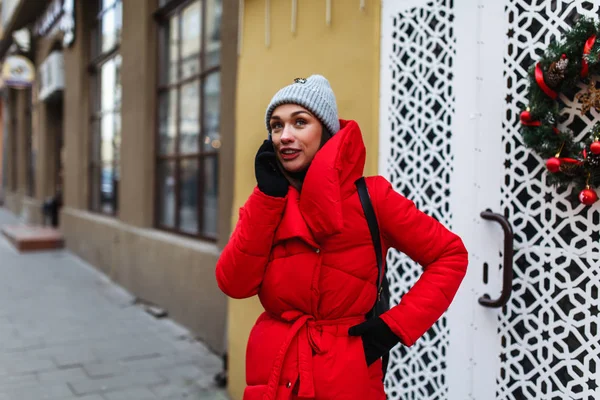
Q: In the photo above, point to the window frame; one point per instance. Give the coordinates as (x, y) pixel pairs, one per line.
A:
(98, 59)
(12, 114)
(30, 167)
(163, 16)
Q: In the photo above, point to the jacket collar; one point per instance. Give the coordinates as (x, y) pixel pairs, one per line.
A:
(316, 212)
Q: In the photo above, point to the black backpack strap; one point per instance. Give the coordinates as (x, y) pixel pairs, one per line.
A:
(365, 200)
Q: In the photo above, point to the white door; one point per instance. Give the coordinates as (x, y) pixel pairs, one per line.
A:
(418, 155)
(453, 79)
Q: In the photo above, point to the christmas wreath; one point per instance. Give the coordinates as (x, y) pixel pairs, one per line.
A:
(560, 70)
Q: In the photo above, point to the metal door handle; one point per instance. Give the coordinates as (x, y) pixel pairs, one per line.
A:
(507, 273)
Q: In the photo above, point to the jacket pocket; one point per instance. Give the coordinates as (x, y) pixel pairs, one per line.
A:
(364, 355)
(341, 372)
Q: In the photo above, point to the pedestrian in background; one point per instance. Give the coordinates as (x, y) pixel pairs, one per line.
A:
(303, 244)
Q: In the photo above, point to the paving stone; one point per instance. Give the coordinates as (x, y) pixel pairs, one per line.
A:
(39, 392)
(117, 382)
(27, 366)
(131, 394)
(69, 375)
(103, 370)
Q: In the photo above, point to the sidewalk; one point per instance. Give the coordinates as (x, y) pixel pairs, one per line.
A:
(67, 332)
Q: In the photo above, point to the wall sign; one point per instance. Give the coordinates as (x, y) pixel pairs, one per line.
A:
(60, 15)
(51, 75)
(18, 72)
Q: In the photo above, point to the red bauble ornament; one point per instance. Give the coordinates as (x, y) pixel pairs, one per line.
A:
(525, 117)
(553, 164)
(595, 147)
(588, 197)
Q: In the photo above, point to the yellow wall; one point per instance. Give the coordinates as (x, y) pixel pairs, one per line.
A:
(347, 53)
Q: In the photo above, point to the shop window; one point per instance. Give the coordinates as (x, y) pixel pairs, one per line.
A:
(106, 107)
(188, 117)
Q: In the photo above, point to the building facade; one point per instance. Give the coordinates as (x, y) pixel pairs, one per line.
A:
(123, 124)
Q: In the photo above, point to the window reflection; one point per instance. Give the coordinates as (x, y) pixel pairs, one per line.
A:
(167, 116)
(214, 9)
(212, 97)
(189, 124)
(188, 196)
(110, 24)
(166, 182)
(191, 32)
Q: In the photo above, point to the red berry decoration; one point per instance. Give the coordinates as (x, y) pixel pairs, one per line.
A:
(525, 117)
(553, 164)
(595, 147)
(588, 197)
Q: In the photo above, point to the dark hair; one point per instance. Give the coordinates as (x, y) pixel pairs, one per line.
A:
(325, 135)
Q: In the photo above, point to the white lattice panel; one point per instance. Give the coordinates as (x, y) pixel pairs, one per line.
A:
(549, 330)
(417, 159)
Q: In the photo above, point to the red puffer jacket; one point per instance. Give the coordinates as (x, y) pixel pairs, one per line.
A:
(310, 259)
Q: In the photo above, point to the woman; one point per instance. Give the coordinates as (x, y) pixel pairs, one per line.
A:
(302, 244)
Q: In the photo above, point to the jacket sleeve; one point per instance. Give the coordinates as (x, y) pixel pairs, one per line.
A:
(242, 263)
(429, 243)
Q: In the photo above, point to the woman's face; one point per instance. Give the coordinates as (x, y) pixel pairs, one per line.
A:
(296, 135)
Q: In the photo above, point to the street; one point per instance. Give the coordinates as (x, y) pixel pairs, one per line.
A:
(67, 332)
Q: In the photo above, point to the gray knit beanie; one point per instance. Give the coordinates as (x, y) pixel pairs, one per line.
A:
(313, 93)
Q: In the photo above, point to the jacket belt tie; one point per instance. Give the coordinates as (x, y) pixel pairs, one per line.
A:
(308, 331)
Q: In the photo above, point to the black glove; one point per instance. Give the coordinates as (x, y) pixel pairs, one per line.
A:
(269, 178)
(378, 339)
